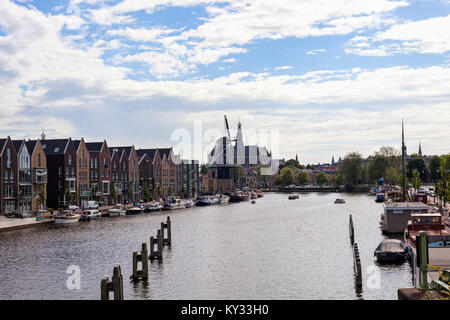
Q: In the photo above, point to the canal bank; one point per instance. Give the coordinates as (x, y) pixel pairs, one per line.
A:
(273, 249)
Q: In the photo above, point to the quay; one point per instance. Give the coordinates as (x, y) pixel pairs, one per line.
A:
(9, 224)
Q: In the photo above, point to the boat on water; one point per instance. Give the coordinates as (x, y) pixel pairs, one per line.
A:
(223, 199)
(67, 217)
(260, 194)
(396, 215)
(380, 197)
(253, 195)
(90, 214)
(174, 205)
(117, 211)
(253, 201)
(438, 239)
(339, 201)
(239, 196)
(391, 250)
(204, 201)
(134, 210)
(293, 196)
(153, 206)
(189, 203)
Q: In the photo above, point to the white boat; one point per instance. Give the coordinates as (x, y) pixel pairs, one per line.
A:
(189, 203)
(223, 199)
(90, 215)
(67, 217)
(153, 206)
(117, 211)
(134, 210)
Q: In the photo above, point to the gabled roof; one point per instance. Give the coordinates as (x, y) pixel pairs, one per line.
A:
(31, 145)
(17, 144)
(149, 152)
(122, 151)
(165, 151)
(55, 146)
(94, 146)
(2, 144)
(76, 143)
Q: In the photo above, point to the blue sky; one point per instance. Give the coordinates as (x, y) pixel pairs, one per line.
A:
(329, 77)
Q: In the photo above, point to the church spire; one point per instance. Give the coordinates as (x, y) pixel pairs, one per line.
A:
(296, 157)
(43, 134)
(420, 149)
(332, 160)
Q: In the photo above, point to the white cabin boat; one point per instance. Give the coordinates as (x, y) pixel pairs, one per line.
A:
(67, 217)
(90, 214)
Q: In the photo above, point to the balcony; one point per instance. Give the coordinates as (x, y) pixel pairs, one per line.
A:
(40, 176)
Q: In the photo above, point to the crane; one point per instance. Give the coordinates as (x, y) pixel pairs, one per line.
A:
(227, 128)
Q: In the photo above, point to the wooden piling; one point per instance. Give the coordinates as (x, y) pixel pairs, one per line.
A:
(158, 253)
(352, 231)
(140, 257)
(115, 285)
(167, 225)
(357, 265)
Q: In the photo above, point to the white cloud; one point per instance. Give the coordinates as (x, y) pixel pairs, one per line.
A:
(316, 51)
(283, 68)
(424, 36)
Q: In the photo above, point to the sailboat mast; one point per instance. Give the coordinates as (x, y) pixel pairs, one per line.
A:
(403, 164)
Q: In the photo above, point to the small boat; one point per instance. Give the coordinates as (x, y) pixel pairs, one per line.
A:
(117, 211)
(293, 196)
(380, 197)
(223, 199)
(253, 201)
(391, 250)
(260, 194)
(239, 196)
(67, 217)
(203, 201)
(253, 195)
(90, 214)
(189, 203)
(339, 201)
(134, 210)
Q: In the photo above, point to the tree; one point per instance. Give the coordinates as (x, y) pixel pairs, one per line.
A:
(393, 176)
(42, 198)
(303, 178)
(340, 179)
(146, 193)
(203, 189)
(351, 168)
(183, 190)
(68, 195)
(287, 176)
(377, 167)
(130, 194)
(194, 190)
(416, 179)
(169, 191)
(159, 191)
(204, 169)
(212, 189)
(433, 168)
(322, 178)
(114, 194)
(416, 163)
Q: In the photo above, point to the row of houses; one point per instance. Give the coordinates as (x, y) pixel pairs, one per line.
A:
(53, 173)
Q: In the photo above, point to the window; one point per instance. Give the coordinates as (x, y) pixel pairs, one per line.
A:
(39, 160)
(8, 160)
(11, 176)
(60, 171)
(70, 159)
(67, 171)
(6, 176)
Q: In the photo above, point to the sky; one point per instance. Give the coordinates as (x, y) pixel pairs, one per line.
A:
(320, 78)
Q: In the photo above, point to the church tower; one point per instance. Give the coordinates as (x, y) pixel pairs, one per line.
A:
(420, 150)
(43, 135)
(240, 149)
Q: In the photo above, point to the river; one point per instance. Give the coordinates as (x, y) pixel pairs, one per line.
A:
(274, 249)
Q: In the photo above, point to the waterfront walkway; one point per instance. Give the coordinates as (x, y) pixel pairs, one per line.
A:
(8, 224)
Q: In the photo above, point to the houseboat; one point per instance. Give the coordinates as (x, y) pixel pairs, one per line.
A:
(134, 210)
(117, 211)
(203, 201)
(438, 239)
(67, 217)
(397, 214)
(391, 250)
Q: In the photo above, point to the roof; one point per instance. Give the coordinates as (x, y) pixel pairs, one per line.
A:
(55, 146)
(76, 143)
(2, 144)
(165, 151)
(121, 150)
(17, 144)
(94, 146)
(31, 145)
(149, 152)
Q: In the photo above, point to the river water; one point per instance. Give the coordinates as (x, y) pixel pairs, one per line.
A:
(274, 249)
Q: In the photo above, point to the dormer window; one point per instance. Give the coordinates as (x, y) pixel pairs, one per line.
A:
(70, 159)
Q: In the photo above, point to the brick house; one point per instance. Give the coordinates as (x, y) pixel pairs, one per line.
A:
(169, 171)
(83, 171)
(38, 173)
(116, 176)
(61, 166)
(8, 176)
(190, 177)
(100, 171)
(129, 173)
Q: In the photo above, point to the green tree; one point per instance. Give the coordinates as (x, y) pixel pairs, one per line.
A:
(42, 198)
(340, 179)
(416, 163)
(376, 168)
(159, 191)
(169, 191)
(194, 190)
(146, 193)
(277, 180)
(433, 168)
(183, 190)
(351, 168)
(303, 178)
(322, 178)
(68, 195)
(203, 190)
(287, 176)
(212, 189)
(114, 194)
(204, 169)
(393, 176)
(416, 179)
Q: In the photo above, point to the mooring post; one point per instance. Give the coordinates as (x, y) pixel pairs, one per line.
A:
(152, 247)
(169, 231)
(423, 259)
(159, 237)
(115, 286)
(357, 265)
(352, 231)
(142, 257)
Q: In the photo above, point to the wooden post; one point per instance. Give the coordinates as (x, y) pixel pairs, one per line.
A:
(160, 244)
(152, 247)
(422, 255)
(357, 265)
(169, 231)
(158, 253)
(352, 231)
(115, 286)
(142, 257)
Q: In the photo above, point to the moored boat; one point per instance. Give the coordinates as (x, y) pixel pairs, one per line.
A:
(67, 217)
(339, 201)
(380, 197)
(239, 196)
(293, 196)
(253, 195)
(391, 250)
(203, 201)
(90, 214)
(117, 211)
(134, 210)
(260, 194)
